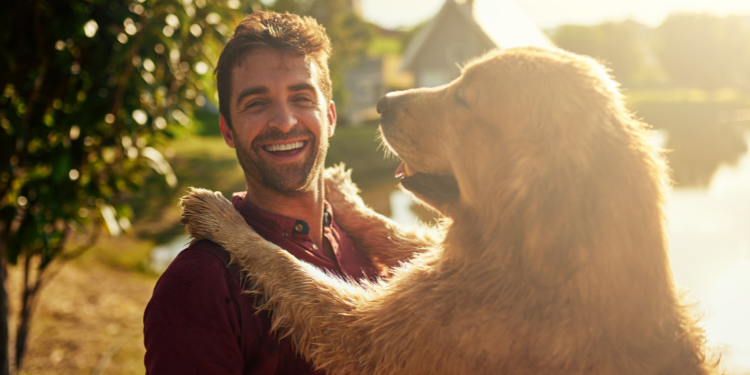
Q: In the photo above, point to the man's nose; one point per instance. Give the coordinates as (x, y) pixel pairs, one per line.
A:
(282, 118)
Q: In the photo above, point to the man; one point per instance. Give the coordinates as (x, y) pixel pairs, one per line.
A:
(276, 111)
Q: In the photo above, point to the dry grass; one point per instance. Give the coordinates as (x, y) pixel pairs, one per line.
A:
(89, 319)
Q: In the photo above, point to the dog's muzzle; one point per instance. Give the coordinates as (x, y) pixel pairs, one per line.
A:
(382, 104)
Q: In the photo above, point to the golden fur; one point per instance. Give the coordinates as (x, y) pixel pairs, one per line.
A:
(552, 259)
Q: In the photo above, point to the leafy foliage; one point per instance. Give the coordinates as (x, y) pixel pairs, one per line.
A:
(701, 50)
(91, 90)
(619, 45)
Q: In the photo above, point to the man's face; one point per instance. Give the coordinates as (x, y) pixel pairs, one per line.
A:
(280, 120)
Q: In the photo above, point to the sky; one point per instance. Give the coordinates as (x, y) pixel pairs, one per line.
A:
(548, 14)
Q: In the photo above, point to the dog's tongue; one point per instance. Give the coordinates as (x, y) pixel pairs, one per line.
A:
(404, 170)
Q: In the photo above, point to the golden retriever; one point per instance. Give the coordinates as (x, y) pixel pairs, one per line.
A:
(552, 258)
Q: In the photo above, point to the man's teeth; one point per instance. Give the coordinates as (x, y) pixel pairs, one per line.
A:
(286, 147)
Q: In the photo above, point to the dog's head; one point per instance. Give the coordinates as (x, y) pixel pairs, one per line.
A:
(533, 147)
(514, 118)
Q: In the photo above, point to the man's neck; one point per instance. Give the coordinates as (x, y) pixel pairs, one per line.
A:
(305, 205)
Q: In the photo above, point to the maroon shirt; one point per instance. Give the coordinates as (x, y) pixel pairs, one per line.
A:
(199, 322)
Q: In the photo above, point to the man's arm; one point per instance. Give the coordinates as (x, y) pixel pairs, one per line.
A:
(192, 323)
(385, 241)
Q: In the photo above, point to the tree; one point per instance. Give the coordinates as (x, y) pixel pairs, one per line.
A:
(617, 44)
(91, 90)
(705, 51)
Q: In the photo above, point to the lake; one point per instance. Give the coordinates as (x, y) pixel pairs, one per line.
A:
(710, 253)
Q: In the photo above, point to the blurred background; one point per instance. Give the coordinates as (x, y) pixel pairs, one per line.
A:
(108, 114)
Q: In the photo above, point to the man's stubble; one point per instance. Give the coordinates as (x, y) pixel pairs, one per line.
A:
(288, 179)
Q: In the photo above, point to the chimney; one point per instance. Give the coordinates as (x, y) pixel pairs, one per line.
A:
(356, 6)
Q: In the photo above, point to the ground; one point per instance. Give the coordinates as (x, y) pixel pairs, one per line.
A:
(88, 320)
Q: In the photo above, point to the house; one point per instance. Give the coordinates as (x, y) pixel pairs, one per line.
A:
(464, 29)
(376, 74)
(372, 78)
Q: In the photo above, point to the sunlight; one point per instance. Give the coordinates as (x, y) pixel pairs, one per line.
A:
(728, 326)
(507, 24)
(549, 14)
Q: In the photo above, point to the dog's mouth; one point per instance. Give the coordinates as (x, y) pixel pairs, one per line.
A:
(434, 189)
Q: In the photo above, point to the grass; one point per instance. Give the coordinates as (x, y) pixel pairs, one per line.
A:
(360, 150)
(684, 95)
(204, 162)
(684, 110)
(90, 315)
(382, 45)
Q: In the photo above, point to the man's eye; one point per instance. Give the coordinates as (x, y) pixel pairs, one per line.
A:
(254, 103)
(303, 99)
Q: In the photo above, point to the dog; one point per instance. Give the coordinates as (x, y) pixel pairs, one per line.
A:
(551, 259)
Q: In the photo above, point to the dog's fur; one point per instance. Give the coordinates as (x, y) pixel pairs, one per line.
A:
(552, 258)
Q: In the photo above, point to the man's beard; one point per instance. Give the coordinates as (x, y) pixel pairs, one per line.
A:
(287, 178)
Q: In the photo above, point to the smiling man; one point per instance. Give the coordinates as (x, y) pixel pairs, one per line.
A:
(277, 113)
(278, 119)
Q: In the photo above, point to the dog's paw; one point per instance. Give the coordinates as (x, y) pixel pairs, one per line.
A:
(207, 215)
(340, 190)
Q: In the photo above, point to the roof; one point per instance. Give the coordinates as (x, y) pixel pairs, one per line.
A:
(502, 21)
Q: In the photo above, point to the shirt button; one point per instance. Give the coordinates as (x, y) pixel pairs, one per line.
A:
(315, 247)
(298, 227)
(284, 234)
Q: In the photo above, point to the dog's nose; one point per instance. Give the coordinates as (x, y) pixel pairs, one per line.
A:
(382, 104)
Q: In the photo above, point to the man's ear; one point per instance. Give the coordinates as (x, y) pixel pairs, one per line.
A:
(226, 132)
(331, 117)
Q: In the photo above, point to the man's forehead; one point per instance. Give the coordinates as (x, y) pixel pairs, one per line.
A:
(267, 67)
(274, 58)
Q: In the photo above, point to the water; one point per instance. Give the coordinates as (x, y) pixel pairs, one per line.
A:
(164, 254)
(710, 254)
(401, 211)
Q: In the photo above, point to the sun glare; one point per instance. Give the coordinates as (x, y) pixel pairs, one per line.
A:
(728, 325)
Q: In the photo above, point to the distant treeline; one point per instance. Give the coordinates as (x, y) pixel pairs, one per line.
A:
(687, 50)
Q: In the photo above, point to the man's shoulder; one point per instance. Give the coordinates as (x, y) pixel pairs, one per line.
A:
(203, 250)
(201, 259)
(195, 316)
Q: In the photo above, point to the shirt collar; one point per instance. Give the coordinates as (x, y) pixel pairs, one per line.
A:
(277, 223)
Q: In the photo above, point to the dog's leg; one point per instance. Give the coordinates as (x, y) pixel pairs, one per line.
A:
(307, 304)
(343, 327)
(385, 241)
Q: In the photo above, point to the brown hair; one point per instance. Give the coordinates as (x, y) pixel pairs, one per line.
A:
(284, 32)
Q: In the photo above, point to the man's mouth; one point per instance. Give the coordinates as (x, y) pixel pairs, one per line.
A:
(285, 149)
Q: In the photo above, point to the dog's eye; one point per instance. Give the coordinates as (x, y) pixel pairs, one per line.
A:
(459, 96)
